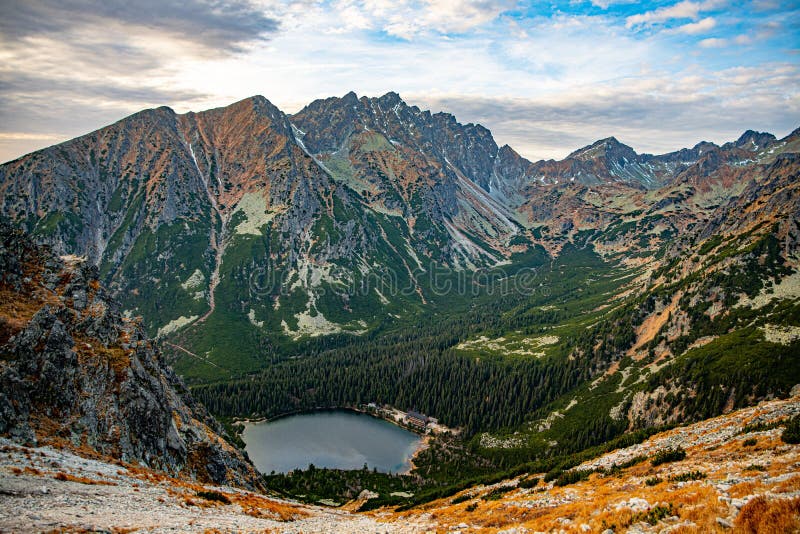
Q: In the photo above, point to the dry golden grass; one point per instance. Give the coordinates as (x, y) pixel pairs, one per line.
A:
(763, 516)
(263, 507)
(787, 486)
(66, 477)
(598, 501)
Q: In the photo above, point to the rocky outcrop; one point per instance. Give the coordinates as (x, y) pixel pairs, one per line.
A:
(74, 373)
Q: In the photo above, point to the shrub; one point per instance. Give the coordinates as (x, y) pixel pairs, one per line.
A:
(633, 461)
(462, 498)
(654, 514)
(792, 432)
(553, 474)
(496, 493)
(213, 496)
(749, 442)
(653, 481)
(760, 427)
(530, 482)
(573, 476)
(668, 455)
(686, 477)
(472, 507)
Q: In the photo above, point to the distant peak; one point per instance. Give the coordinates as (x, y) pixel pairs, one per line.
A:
(390, 99)
(704, 145)
(162, 112)
(608, 143)
(611, 142)
(751, 137)
(350, 97)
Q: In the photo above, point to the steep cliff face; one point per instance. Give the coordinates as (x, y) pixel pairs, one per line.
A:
(427, 168)
(75, 373)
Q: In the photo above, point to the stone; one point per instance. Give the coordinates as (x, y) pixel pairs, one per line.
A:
(724, 523)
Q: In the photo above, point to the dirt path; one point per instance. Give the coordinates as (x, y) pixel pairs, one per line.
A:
(193, 355)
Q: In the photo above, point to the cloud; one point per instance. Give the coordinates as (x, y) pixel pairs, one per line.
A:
(713, 42)
(694, 28)
(218, 25)
(604, 4)
(656, 116)
(69, 66)
(682, 10)
(408, 19)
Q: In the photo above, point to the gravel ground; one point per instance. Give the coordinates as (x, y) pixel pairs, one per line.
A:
(113, 498)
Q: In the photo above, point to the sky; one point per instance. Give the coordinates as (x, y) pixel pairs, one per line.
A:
(544, 77)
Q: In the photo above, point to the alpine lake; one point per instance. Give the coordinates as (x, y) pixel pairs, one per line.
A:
(336, 439)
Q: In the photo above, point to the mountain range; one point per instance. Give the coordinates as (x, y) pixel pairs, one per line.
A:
(236, 230)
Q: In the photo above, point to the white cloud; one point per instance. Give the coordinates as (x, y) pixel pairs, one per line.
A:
(604, 4)
(682, 10)
(656, 115)
(701, 26)
(714, 42)
(408, 19)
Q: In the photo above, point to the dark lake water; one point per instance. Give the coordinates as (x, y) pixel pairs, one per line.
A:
(336, 439)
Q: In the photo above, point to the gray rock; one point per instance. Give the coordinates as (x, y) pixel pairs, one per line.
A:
(724, 523)
(66, 367)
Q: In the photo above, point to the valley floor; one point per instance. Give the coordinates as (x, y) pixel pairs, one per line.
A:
(730, 480)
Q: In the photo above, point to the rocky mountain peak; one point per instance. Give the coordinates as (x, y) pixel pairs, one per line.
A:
(752, 140)
(609, 148)
(390, 99)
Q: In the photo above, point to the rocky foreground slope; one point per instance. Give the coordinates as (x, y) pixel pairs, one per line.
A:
(737, 475)
(75, 374)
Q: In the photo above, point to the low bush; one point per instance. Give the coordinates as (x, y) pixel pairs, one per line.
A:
(462, 498)
(573, 476)
(654, 514)
(686, 477)
(792, 432)
(668, 455)
(213, 496)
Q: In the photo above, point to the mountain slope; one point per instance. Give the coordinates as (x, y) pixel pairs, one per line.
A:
(75, 374)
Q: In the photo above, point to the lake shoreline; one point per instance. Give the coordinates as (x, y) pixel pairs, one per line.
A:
(366, 411)
(417, 440)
